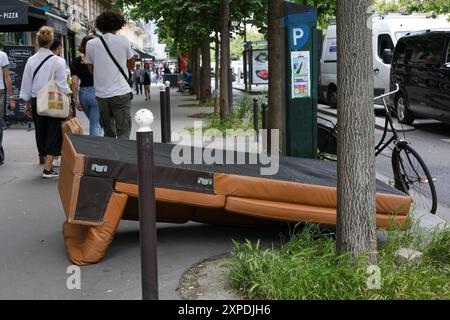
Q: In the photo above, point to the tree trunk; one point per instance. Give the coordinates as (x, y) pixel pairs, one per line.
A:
(275, 42)
(198, 73)
(217, 73)
(224, 58)
(192, 67)
(195, 72)
(205, 87)
(356, 182)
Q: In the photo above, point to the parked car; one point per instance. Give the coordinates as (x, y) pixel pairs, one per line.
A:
(386, 30)
(421, 67)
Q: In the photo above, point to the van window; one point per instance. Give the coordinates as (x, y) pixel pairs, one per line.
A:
(427, 53)
(403, 52)
(384, 42)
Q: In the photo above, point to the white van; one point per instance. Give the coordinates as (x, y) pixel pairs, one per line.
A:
(387, 30)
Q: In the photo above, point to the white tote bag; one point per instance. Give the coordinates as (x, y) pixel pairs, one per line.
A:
(51, 102)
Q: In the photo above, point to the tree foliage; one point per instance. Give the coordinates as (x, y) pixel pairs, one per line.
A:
(410, 6)
(182, 24)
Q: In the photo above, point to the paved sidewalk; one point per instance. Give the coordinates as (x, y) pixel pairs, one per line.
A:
(33, 259)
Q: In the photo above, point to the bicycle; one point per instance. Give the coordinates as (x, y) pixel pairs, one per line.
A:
(411, 175)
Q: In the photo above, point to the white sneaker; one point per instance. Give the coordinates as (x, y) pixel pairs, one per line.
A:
(49, 174)
(57, 163)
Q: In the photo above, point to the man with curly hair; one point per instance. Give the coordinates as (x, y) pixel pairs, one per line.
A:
(111, 86)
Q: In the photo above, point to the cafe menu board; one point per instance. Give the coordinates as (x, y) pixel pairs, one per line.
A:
(301, 76)
(18, 57)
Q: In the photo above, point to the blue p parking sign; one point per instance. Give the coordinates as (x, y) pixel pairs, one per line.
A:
(299, 37)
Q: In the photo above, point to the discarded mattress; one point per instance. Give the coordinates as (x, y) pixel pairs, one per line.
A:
(98, 187)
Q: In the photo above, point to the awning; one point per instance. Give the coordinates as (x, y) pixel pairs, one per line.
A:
(144, 56)
(58, 24)
(19, 16)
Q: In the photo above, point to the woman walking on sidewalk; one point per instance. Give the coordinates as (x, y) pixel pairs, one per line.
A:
(147, 80)
(5, 78)
(84, 98)
(37, 73)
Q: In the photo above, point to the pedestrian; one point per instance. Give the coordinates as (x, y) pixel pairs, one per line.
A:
(157, 75)
(167, 69)
(83, 89)
(137, 78)
(56, 48)
(110, 58)
(147, 81)
(38, 70)
(5, 78)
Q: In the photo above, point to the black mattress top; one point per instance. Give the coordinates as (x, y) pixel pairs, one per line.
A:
(117, 159)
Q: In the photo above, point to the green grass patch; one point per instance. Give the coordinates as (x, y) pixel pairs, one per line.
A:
(201, 115)
(239, 117)
(197, 104)
(308, 268)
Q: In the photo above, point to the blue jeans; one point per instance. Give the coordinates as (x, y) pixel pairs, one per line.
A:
(138, 87)
(90, 107)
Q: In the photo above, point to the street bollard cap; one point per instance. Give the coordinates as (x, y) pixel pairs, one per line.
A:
(167, 83)
(162, 87)
(144, 119)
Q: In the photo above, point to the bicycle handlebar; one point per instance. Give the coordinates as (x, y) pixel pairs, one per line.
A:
(397, 89)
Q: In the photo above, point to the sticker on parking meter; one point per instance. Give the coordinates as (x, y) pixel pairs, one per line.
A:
(301, 76)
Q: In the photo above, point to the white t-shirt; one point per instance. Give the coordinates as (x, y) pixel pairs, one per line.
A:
(4, 62)
(108, 81)
(29, 87)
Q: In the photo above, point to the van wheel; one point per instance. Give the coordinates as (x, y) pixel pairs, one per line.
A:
(404, 115)
(332, 96)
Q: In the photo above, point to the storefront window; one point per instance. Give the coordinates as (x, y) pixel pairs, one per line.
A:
(12, 38)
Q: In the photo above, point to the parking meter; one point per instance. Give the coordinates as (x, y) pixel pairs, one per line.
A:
(301, 80)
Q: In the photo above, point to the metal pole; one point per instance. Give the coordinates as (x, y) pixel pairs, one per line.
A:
(250, 63)
(245, 70)
(255, 115)
(230, 76)
(167, 108)
(265, 123)
(230, 85)
(265, 126)
(147, 209)
(245, 57)
(162, 99)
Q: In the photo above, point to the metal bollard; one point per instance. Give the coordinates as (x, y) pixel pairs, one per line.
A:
(147, 208)
(167, 110)
(162, 98)
(264, 116)
(255, 115)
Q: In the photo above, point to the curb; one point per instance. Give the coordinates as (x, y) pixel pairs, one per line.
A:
(253, 93)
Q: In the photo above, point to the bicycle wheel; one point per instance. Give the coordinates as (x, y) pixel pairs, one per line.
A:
(327, 142)
(413, 177)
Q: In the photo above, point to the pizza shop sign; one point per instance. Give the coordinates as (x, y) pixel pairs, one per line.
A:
(10, 15)
(13, 15)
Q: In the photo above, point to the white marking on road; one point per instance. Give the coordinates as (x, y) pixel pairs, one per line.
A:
(445, 140)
